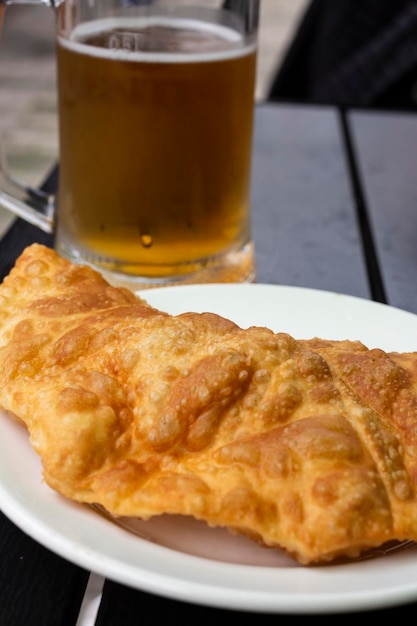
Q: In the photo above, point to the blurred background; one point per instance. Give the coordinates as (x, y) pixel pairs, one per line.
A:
(28, 122)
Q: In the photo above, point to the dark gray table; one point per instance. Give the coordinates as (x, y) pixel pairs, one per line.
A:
(334, 208)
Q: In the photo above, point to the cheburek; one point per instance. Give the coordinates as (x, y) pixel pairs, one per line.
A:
(310, 446)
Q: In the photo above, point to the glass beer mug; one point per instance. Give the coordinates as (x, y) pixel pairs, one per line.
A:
(155, 108)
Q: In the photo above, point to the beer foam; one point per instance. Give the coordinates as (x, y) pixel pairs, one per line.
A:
(230, 37)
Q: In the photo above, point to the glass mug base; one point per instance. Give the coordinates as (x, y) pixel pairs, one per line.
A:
(234, 266)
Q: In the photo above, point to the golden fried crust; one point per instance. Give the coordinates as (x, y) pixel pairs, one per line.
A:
(307, 445)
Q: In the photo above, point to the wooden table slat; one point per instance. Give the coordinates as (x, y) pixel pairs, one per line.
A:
(304, 217)
(37, 586)
(386, 144)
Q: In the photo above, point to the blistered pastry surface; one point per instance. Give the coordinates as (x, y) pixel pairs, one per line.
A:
(306, 445)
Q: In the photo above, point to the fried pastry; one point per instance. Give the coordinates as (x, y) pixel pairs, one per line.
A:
(307, 445)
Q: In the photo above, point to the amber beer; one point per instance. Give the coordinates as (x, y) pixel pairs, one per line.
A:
(155, 145)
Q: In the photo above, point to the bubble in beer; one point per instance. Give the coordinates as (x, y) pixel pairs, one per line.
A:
(146, 240)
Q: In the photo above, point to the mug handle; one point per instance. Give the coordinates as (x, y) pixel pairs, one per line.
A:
(32, 205)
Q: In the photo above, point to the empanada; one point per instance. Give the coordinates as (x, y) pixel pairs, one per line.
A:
(310, 446)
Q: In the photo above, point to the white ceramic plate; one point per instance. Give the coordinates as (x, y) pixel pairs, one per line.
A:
(183, 559)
